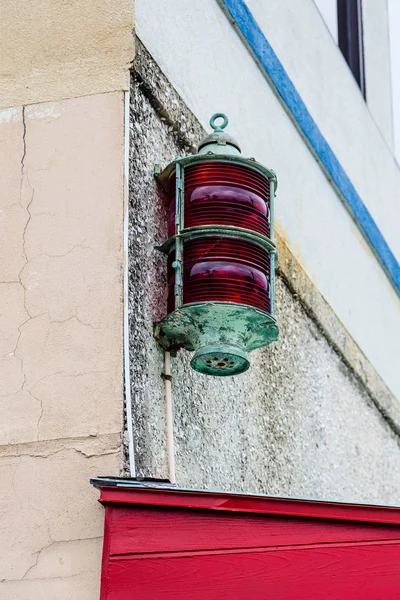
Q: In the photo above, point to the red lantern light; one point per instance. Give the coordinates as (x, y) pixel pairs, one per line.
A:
(220, 255)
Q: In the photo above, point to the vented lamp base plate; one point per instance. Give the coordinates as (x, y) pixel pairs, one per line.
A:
(220, 361)
(220, 333)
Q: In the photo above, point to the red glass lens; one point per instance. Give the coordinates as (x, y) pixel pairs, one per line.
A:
(220, 268)
(224, 270)
(218, 193)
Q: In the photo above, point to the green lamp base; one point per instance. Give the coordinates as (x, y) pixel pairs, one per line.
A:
(220, 333)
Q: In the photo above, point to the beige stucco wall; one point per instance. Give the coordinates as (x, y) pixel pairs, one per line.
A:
(61, 340)
(63, 73)
(52, 49)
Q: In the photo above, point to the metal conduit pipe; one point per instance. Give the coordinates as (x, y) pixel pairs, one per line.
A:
(127, 374)
(169, 418)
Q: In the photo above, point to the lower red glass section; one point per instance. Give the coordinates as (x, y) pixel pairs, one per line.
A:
(223, 270)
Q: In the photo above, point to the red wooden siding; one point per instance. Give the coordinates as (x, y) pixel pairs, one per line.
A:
(160, 544)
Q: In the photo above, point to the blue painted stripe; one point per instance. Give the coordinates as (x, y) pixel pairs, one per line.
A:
(245, 24)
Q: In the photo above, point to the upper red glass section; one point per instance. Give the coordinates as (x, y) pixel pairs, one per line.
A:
(218, 193)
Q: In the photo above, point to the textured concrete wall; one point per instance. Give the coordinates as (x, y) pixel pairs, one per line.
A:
(300, 422)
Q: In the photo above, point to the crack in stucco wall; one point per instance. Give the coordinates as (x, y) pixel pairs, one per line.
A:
(28, 220)
(24, 148)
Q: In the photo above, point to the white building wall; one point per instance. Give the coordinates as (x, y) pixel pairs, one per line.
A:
(376, 47)
(377, 66)
(212, 70)
(394, 33)
(329, 13)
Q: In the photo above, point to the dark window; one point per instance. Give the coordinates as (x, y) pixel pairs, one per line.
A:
(351, 38)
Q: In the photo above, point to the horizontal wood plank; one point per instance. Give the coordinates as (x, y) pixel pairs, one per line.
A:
(141, 530)
(243, 503)
(366, 572)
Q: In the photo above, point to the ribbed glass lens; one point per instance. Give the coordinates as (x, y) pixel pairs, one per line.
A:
(216, 268)
(224, 270)
(218, 193)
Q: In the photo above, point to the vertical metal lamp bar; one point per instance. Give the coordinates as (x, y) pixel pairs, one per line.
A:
(271, 233)
(272, 257)
(179, 200)
(271, 208)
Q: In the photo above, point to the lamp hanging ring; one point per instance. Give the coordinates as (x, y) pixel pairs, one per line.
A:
(219, 116)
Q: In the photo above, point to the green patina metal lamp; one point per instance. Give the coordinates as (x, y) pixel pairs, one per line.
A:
(221, 255)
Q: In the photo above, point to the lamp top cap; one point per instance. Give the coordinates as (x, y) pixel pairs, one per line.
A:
(219, 142)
